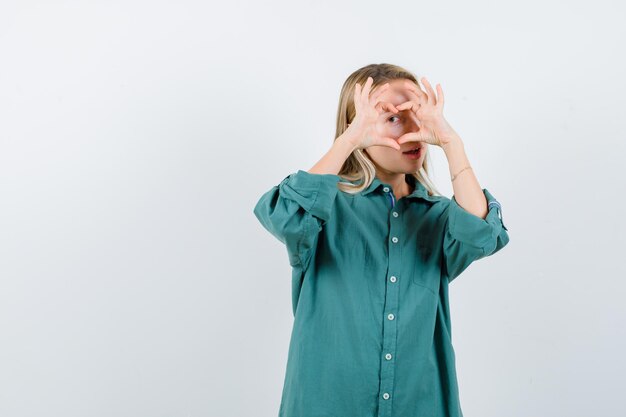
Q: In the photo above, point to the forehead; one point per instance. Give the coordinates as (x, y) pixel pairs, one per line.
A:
(396, 93)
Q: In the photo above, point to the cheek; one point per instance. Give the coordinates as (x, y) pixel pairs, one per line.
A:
(382, 153)
(387, 126)
(395, 129)
(375, 152)
(399, 127)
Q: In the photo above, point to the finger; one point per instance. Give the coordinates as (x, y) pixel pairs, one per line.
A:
(391, 143)
(357, 95)
(414, 106)
(415, 92)
(430, 90)
(409, 137)
(404, 138)
(428, 98)
(414, 97)
(386, 106)
(380, 91)
(440, 95)
(385, 95)
(367, 89)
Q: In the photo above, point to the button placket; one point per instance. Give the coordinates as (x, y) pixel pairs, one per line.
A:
(392, 199)
(390, 326)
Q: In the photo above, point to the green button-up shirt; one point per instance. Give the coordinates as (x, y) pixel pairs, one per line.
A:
(371, 333)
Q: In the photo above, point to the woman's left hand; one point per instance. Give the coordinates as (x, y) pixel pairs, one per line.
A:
(427, 107)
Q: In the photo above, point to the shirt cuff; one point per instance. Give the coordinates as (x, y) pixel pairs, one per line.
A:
(469, 228)
(315, 193)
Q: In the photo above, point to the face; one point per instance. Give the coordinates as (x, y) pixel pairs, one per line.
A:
(394, 125)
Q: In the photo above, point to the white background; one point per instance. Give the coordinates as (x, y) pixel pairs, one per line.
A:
(136, 137)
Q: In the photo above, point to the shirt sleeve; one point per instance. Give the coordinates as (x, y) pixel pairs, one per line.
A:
(296, 210)
(469, 238)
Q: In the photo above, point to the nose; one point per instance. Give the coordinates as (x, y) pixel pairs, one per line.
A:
(411, 124)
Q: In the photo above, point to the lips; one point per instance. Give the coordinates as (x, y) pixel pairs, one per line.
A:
(412, 149)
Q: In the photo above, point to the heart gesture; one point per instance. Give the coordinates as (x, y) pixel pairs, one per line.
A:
(427, 107)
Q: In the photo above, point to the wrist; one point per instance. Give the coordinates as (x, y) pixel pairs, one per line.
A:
(453, 144)
(347, 142)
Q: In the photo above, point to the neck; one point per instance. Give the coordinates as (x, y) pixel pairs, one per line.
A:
(398, 183)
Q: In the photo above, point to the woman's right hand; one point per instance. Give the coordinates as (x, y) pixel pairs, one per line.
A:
(362, 129)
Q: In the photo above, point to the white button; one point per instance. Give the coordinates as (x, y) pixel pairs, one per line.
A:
(394, 239)
(386, 189)
(392, 278)
(390, 316)
(386, 396)
(388, 356)
(395, 214)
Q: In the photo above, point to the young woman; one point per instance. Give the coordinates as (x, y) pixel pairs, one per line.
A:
(373, 249)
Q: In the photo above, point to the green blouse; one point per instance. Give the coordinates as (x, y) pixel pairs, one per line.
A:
(371, 334)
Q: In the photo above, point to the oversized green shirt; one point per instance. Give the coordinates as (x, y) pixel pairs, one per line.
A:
(371, 335)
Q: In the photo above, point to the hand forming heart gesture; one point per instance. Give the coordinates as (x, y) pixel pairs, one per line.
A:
(427, 107)
(368, 109)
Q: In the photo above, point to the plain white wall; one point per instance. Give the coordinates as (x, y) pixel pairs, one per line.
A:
(136, 137)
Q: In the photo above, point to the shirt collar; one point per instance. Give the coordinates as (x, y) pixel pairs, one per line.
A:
(419, 192)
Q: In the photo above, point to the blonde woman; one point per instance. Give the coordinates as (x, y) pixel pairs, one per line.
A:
(373, 247)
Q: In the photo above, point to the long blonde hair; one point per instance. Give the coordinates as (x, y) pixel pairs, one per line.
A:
(358, 166)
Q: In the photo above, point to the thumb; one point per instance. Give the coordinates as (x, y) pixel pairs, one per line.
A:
(407, 137)
(392, 143)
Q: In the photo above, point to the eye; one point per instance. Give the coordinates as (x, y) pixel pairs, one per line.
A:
(392, 118)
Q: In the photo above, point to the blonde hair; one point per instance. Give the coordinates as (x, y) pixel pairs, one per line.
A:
(358, 166)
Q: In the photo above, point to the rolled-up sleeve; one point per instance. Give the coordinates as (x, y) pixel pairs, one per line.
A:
(296, 210)
(469, 238)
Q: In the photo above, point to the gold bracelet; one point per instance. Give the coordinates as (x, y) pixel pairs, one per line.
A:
(454, 176)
